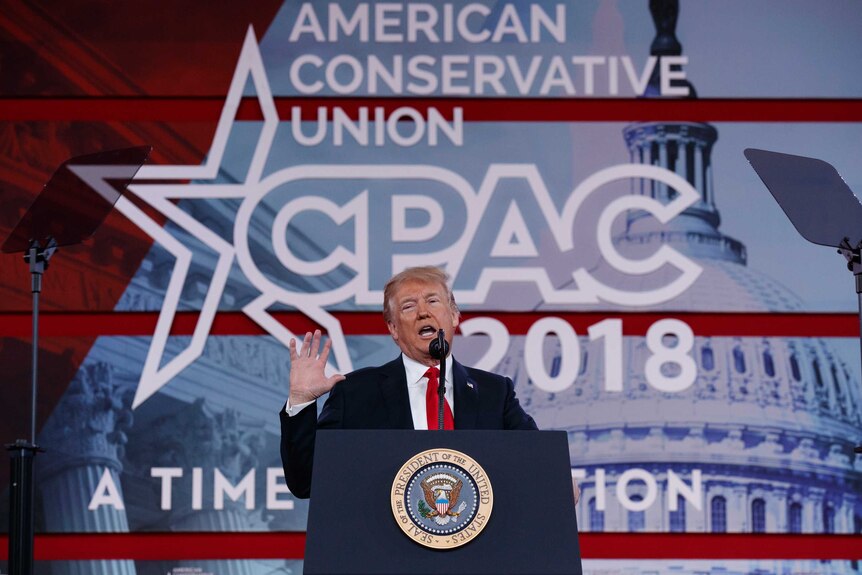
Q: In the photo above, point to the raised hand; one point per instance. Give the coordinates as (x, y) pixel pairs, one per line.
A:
(308, 379)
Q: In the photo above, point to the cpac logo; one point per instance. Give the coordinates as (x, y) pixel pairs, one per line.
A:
(513, 237)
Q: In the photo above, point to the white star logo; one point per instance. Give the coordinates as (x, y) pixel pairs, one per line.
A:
(154, 375)
(514, 238)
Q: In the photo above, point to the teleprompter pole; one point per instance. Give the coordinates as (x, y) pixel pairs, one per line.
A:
(853, 255)
(23, 451)
(71, 206)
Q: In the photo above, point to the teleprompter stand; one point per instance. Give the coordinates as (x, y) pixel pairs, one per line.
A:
(532, 528)
(69, 209)
(818, 203)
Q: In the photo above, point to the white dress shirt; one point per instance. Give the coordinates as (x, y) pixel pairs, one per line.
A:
(417, 384)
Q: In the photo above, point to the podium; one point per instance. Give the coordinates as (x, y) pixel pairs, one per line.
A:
(352, 526)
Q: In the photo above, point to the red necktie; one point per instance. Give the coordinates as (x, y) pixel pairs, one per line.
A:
(431, 405)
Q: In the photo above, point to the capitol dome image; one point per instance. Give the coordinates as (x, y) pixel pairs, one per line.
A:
(763, 437)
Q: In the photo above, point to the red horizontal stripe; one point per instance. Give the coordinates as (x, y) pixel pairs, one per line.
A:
(194, 109)
(161, 546)
(208, 108)
(266, 545)
(718, 546)
(56, 324)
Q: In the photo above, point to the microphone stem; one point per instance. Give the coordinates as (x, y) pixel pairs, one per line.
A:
(441, 393)
(441, 382)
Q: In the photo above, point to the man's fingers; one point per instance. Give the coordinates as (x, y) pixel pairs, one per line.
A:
(311, 345)
(324, 353)
(306, 344)
(315, 344)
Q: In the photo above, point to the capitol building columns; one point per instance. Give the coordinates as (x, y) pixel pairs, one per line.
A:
(737, 510)
(816, 497)
(635, 497)
(845, 521)
(777, 519)
(209, 459)
(615, 515)
(80, 472)
(656, 514)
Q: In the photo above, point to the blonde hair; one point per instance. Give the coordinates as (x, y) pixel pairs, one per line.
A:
(426, 274)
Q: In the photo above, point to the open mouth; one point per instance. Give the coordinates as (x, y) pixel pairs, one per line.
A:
(427, 331)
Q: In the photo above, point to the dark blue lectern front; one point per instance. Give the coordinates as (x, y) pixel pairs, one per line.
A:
(352, 529)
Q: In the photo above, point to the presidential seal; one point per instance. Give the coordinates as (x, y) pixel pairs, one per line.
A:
(441, 498)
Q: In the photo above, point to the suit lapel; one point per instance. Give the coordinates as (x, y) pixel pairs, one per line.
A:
(466, 398)
(393, 387)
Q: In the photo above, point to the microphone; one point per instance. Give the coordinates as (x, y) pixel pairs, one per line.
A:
(439, 348)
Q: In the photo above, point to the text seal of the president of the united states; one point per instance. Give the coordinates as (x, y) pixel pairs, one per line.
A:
(442, 498)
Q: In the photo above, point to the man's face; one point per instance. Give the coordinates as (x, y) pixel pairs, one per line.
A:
(418, 310)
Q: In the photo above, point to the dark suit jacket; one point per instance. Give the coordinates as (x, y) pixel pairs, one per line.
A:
(377, 398)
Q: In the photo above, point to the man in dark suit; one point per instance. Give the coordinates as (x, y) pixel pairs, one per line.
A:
(398, 395)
